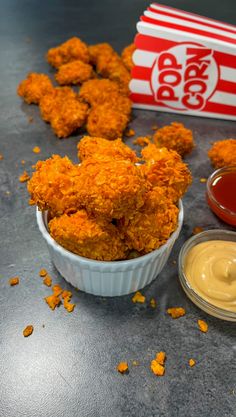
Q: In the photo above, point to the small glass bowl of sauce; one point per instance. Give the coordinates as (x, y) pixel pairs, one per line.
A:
(221, 193)
(207, 272)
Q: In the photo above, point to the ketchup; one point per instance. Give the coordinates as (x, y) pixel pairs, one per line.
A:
(221, 194)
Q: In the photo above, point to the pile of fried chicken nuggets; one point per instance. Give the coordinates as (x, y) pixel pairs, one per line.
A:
(113, 205)
(102, 105)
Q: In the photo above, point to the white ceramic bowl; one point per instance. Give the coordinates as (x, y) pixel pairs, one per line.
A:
(108, 278)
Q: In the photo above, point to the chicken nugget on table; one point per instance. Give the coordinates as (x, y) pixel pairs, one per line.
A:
(34, 87)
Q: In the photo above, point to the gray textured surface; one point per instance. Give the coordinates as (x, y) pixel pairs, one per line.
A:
(67, 368)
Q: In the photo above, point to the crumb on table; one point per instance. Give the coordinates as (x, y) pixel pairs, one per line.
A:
(122, 367)
(192, 362)
(36, 149)
(28, 330)
(203, 326)
(53, 301)
(176, 312)
(197, 229)
(42, 272)
(153, 303)
(138, 298)
(47, 280)
(24, 177)
(14, 281)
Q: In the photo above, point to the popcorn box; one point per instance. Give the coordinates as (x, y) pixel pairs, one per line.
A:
(184, 63)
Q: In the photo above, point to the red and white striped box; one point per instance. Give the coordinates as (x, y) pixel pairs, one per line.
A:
(184, 63)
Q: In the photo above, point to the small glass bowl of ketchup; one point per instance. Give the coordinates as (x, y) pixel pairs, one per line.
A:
(221, 193)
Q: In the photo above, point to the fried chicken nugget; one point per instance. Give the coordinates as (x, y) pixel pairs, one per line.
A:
(52, 185)
(176, 137)
(63, 109)
(75, 72)
(92, 146)
(110, 188)
(110, 65)
(96, 92)
(88, 237)
(126, 56)
(71, 50)
(223, 153)
(151, 226)
(34, 87)
(165, 168)
(106, 122)
(52, 101)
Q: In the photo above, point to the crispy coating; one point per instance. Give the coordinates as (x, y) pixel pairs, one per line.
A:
(34, 87)
(203, 326)
(110, 188)
(106, 122)
(95, 239)
(191, 362)
(151, 226)
(64, 111)
(70, 116)
(223, 153)
(50, 103)
(71, 50)
(138, 298)
(92, 146)
(14, 281)
(52, 301)
(43, 272)
(110, 65)
(157, 368)
(176, 137)
(47, 280)
(75, 72)
(24, 177)
(67, 305)
(122, 367)
(126, 56)
(161, 357)
(52, 185)
(165, 168)
(28, 330)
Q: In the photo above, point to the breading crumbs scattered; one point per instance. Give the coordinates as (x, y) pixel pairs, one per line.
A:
(36, 149)
(203, 180)
(53, 301)
(129, 133)
(154, 127)
(153, 303)
(68, 306)
(122, 367)
(161, 357)
(42, 272)
(138, 298)
(23, 162)
(203, 326)
(31, 202)
(14, 281)
(192, 362)
(47, 281)
(157, 368)
(24, 177)
(142, 140)
(135, 363)
(30, 119)
(66, 294)
(57, 290)
(28, 330)
(197, 229)
(1, 157)
(176, 312)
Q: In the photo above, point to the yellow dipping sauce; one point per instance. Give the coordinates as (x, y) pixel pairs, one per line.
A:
(210, 268)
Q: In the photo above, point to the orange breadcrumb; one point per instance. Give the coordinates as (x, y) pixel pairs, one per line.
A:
(135, 363)
(92, 146)
(154, 127)
(192, 362)
(157, 368)
(34, 87)
(197, 229)
(24, 177)
(42, 272)
(129, 133)
(28, 330)
(153, 303)
(126, 56)
(57, 290)
(66, 294)
(161, 357)
(71, 50)
(47, 281)
(14, 281)
(68, 306)
(36, 149)
(141, 141)
(75, 72)
(203, 326)
(23, 162)
(176, 312)
(223, 153)
(138, 298)
(53, 301)
(122, 367)
(175, 136)
(203, 180)
(1, 157)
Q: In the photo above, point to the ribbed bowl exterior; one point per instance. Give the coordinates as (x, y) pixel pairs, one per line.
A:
(108, 279)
